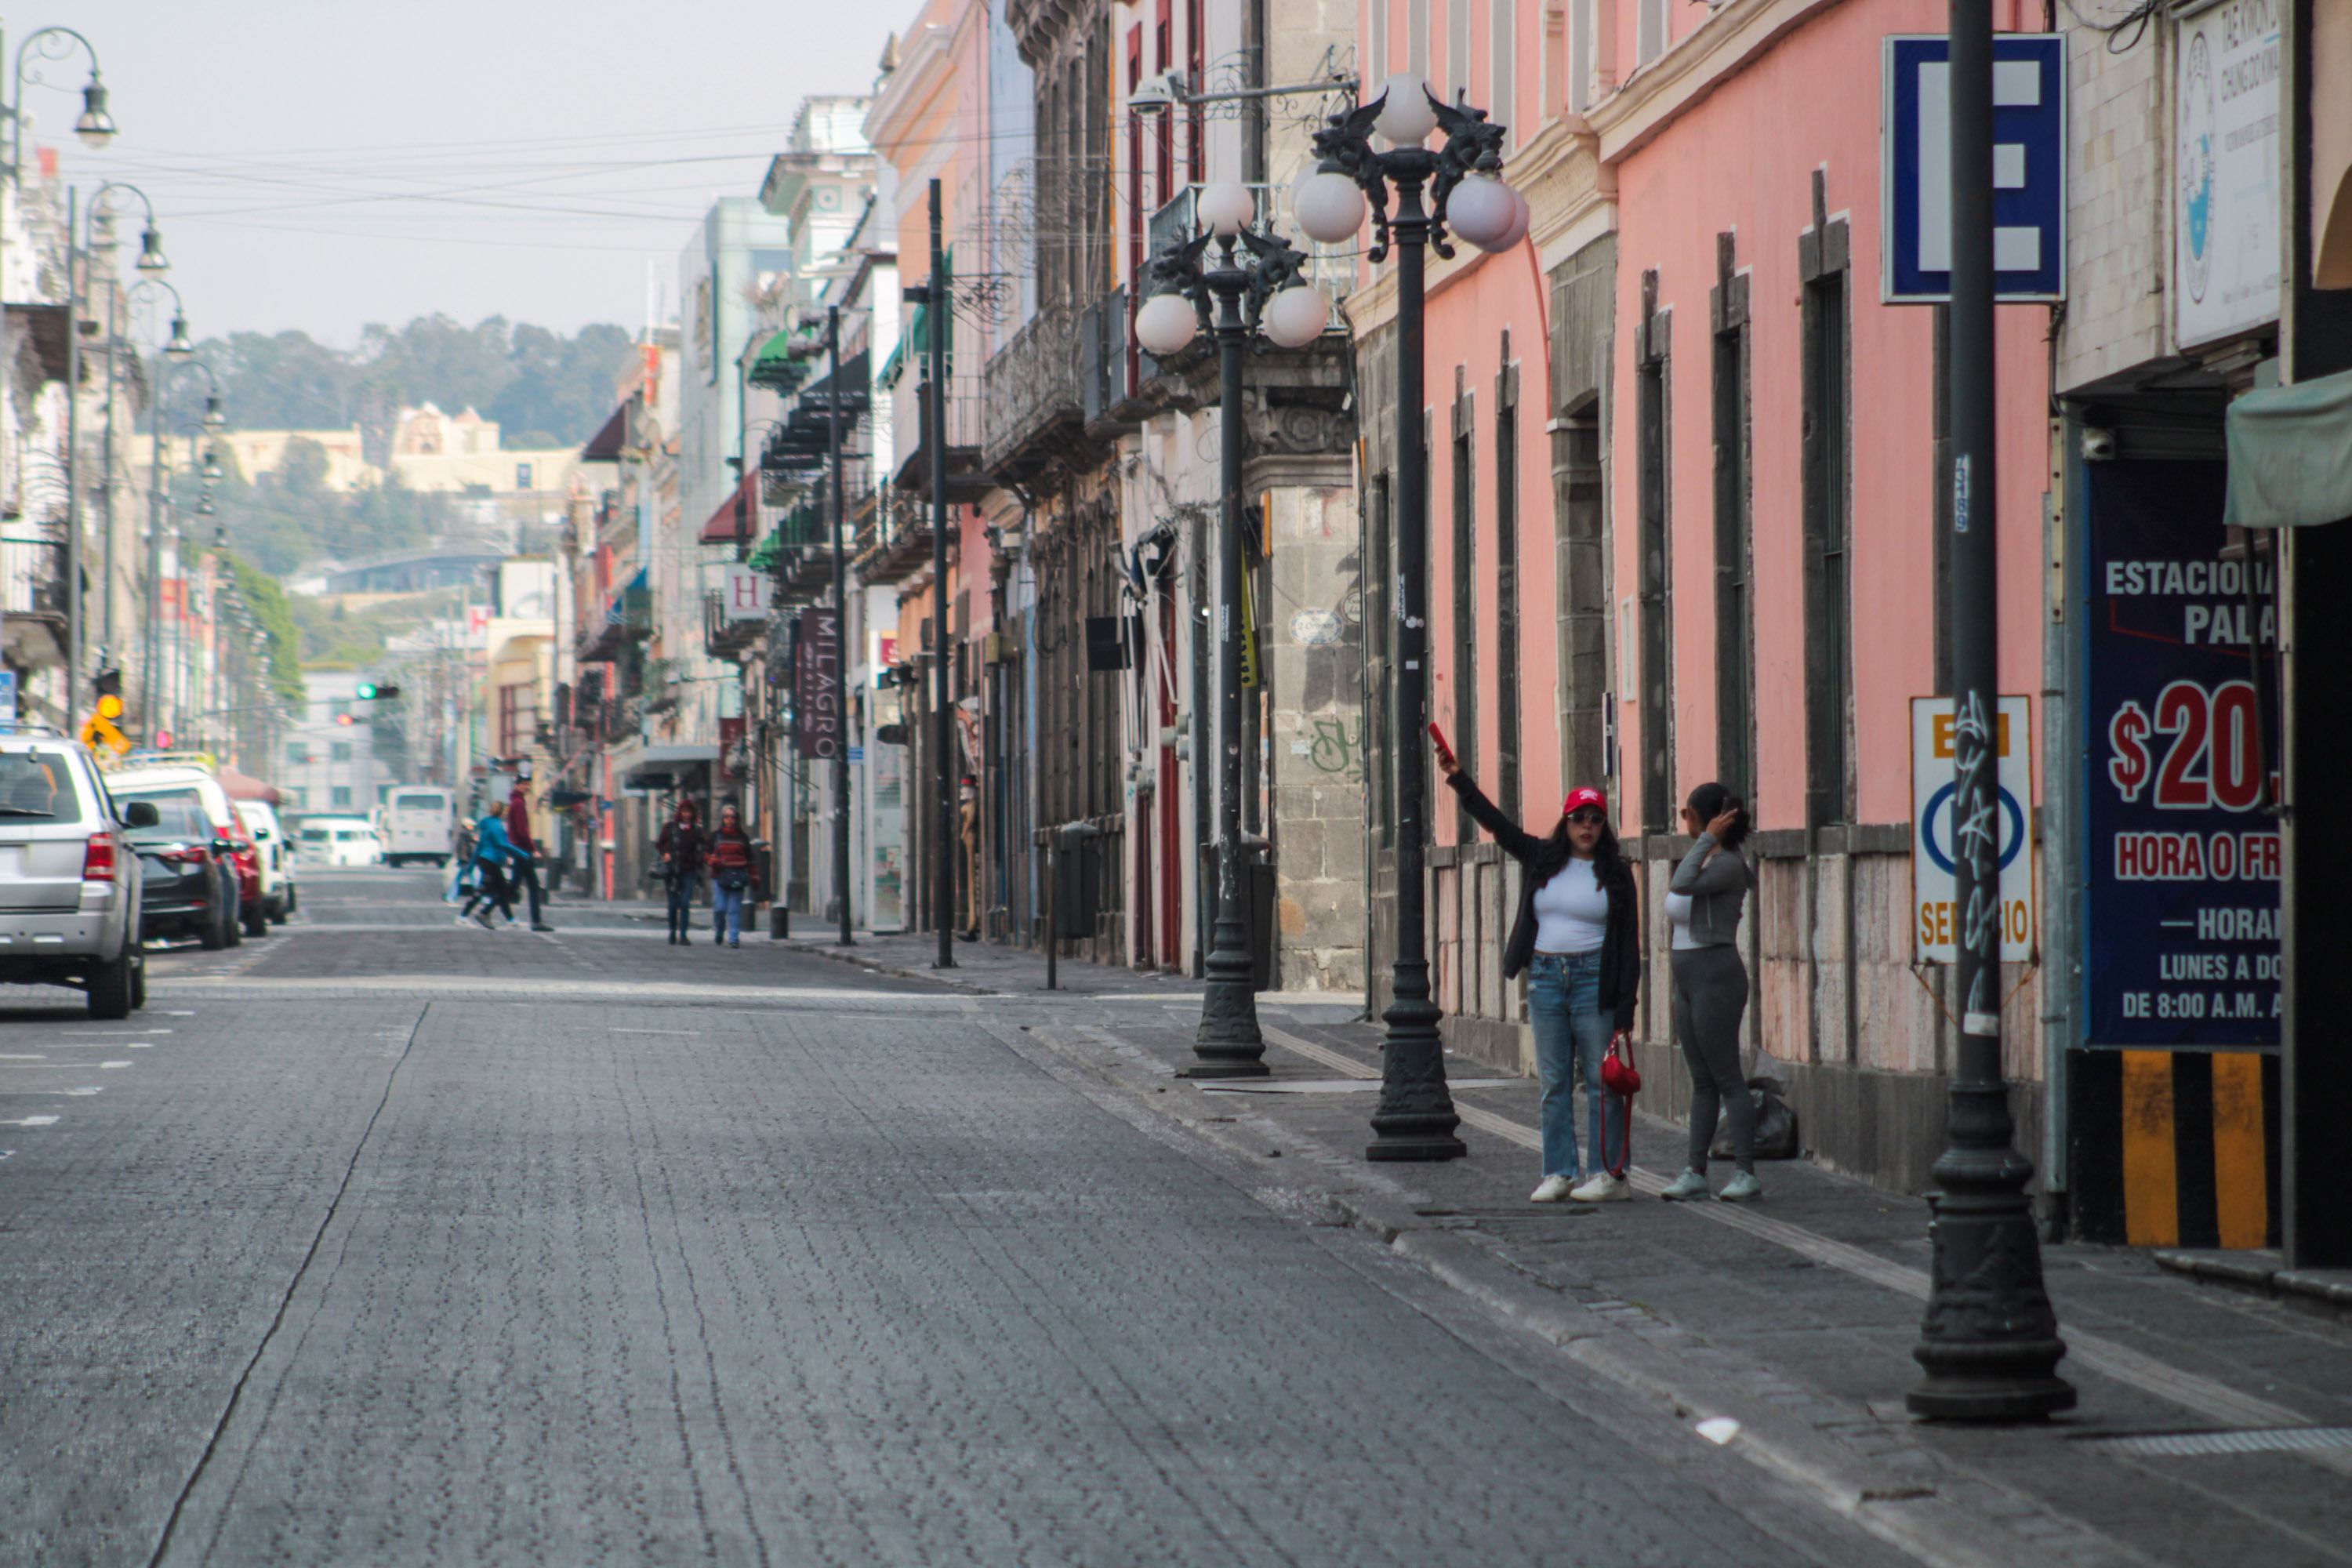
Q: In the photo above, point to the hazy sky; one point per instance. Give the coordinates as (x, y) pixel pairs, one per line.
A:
(323, 165)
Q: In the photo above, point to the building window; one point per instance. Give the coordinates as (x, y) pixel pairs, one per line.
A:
(1653, 29)
(1380, 41)
(297, 753)
(1655, 588)
(1465, 594)
(1827, 434)
(1734, 645)
(340, 795)
(1583, 19)
(1457, 49)
(1503, 80)
(518, 717)
(522, 476)
(1416, 37)
(338, 750)
(1507, 581)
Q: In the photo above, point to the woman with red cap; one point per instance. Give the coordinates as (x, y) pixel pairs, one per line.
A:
(1578, 937)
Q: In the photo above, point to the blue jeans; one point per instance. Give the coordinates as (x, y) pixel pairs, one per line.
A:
(727, 911)
(1564, 1003)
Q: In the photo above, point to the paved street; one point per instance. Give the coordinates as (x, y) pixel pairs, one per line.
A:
(529, 1275)
(382, 1241)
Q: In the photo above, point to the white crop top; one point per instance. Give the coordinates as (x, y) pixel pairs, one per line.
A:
(1571, 910)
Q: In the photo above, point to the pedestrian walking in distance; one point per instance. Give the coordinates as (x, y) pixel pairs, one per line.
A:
(525, 852)
(729, 852)
(1578, 937)
(492, 855)
(680, 844)
(1703, 905)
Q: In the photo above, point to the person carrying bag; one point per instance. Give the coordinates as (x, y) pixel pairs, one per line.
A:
(1578, 938)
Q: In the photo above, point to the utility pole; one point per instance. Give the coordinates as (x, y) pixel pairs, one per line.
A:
(840, 634)
(943, 876)
(73, 458)
(1989, 1339)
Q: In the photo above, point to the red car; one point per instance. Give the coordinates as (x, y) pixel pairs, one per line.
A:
(247, 857)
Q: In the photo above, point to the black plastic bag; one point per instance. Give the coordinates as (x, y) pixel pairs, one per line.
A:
(1776, 1123)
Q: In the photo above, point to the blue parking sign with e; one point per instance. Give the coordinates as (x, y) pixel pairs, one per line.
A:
(2029, 173)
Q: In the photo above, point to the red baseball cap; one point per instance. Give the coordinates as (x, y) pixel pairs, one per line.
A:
(1584, 796)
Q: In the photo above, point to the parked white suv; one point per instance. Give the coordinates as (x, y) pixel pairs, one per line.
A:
(69, 882)
(276, 852)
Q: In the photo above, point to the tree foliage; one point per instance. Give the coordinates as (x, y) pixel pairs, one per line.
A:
(288, 515)
(537, 383)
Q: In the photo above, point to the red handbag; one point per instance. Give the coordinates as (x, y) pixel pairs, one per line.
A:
(1623, 1079)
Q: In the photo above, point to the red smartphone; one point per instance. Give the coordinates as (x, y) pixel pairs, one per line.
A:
(1443, 750)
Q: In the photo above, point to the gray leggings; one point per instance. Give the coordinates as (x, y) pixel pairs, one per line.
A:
(1710, 995)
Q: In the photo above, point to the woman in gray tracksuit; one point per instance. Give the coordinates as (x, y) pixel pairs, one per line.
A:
(1703, 905)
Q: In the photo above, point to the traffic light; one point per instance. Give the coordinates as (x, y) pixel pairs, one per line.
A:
(100, 728)
(369, 691)
(344, 720)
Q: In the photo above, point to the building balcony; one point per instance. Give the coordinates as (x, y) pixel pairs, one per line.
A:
(727, 637)
(1034, 407)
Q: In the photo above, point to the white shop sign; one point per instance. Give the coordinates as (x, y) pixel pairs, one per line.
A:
(1934, 917)
(747, 593)
(2225, 170)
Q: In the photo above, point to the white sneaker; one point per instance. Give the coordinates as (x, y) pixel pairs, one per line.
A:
(1602, 1188)
(1550, 1190)
(465, 919)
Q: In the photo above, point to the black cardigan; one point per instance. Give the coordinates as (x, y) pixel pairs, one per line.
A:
(1620, 948)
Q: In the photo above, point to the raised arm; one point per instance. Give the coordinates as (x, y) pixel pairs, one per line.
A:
(1705, 871)
(1517, 841)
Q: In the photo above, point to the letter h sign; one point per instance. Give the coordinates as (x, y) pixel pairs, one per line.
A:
(747, 593)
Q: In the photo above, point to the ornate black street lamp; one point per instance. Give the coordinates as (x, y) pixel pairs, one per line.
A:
(1990, 1340)
(1415, 1119)
(1252, 282)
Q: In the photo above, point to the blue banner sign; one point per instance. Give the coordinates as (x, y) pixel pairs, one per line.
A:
(2182, 940)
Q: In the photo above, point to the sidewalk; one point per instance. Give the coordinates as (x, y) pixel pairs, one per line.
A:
(2213, 1426)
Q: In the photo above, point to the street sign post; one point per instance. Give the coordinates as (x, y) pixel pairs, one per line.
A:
(1936, 916)
(2029, 170)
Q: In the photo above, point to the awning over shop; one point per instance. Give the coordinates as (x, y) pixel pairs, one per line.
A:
(776, 368)
(605, 446)
(743, 503)
(673, 759)
(2291, 454)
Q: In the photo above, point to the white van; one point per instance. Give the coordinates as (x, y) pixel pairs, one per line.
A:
(339, 841)
(419, 824)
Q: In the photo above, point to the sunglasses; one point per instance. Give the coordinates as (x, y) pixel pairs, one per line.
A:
(1587, 817)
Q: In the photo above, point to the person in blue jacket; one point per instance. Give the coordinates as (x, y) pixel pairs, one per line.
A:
(493, 852)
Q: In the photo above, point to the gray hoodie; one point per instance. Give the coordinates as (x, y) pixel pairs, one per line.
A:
(1718, 888)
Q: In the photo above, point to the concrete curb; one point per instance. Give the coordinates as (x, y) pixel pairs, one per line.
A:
(2327, 1292)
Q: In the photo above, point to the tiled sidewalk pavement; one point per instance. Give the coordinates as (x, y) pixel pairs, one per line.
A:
(1806, 1328)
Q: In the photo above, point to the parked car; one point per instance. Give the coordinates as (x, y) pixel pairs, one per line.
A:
(193, 783)
(69, 909)
(186, 884)
(420, 824)
(339, 841)
(276, 853)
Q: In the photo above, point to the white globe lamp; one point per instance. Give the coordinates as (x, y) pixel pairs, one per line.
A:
(1225, 207)
(1481, 210)
(1519, 229)
(1329, 206)
(1296, 317)
(1165, 324)
(1408, 116)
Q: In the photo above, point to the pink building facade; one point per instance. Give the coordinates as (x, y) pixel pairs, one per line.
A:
(1686, 480)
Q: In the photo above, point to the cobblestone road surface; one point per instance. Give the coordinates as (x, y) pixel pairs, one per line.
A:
(383, 1242)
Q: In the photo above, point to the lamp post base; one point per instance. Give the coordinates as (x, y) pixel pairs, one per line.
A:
(1415, 1120)
(1988, 1340)
(1229, 1043)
